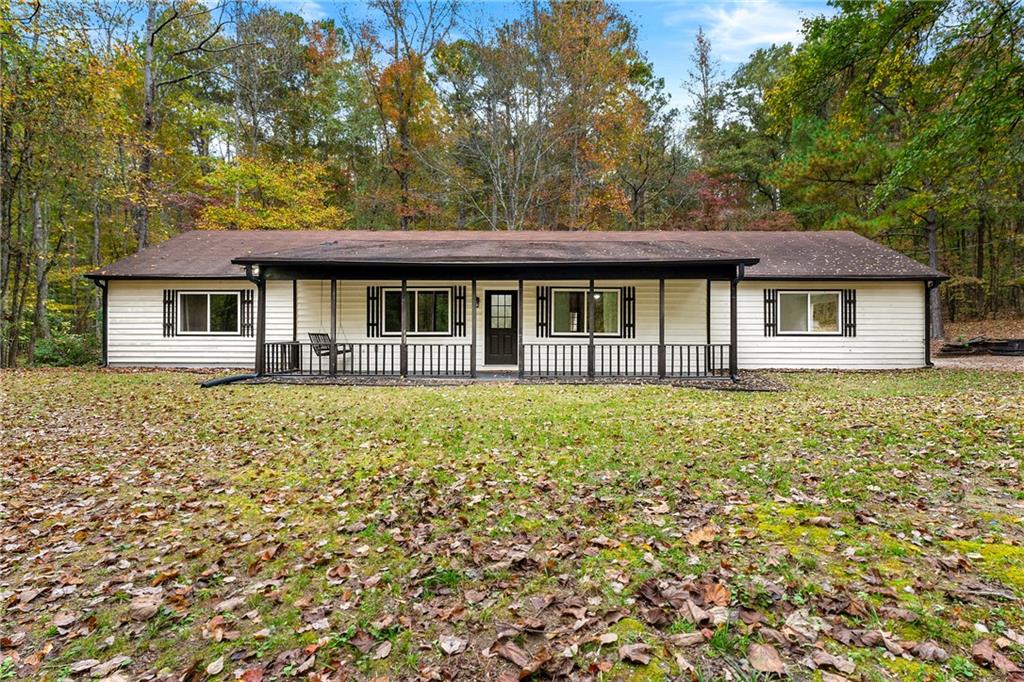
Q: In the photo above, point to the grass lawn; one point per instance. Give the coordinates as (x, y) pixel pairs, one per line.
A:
(859, 526)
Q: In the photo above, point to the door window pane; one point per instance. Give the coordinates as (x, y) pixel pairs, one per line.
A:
(793, 312)
(501, 311)
(223, 313)
(825, 312)
(193, 312)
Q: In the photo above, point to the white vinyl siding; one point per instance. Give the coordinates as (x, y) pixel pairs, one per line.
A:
(890, 328)
(135, 332)
(890, 321)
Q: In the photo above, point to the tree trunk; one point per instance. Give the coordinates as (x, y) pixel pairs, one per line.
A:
(40, 249)
(931, 228)
(141, 210)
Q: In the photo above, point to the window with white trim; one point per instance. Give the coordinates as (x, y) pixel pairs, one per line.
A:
(428, 310)
(809, 312)
(569, 315)
(209, 312)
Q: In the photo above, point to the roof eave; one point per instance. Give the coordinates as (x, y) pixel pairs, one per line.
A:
(292, 262)
(939, 277)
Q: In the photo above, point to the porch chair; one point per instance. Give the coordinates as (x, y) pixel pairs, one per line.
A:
(321, 345)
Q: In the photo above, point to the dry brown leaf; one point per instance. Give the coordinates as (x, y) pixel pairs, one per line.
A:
(451, 645)
(215, 667)
(703, 535)
(929, 651)
(985, 654)
(716, 593)
(382, 651)
(764, 658)
(144, 606)
(636, 653)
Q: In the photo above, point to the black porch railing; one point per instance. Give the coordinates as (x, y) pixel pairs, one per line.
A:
(540, 360)
(626, 360)
(367, 359)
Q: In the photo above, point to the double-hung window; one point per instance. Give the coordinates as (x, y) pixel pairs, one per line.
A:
(208, 312)
(809, 312)
(570, 315)
(428, 311)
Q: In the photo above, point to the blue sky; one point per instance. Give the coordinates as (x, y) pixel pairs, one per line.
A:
(666, 27)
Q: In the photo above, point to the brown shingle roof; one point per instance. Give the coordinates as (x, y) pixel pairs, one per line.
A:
(817, 255)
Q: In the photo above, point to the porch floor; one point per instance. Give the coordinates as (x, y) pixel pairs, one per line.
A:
(747, 381)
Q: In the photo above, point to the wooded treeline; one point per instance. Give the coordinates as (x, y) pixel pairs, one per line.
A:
(124, 122)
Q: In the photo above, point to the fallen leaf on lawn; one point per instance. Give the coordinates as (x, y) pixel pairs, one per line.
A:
(104, 669)
(64, 619)
(144, 606)
(824, 659)
(686, 639)
(804, 624)
(363, 641)
(607, 638)
(252, 675)
(230, 604)
(929, 651)
(475, 596)
(636, 653)
(382, 651)
(985, 654)
(215, 667)
(717, 594)
(451, 645)
(764, 658)
(82, 666)
(510, 652)
(702, 535)
(161, 578)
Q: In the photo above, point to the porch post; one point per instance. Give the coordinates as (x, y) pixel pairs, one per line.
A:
(661, 328)
(707, 312)
(404, 350)
(591, 311)
(334, 326)
(519, 331)
(261, 323)
(472, 343)
(732, 322)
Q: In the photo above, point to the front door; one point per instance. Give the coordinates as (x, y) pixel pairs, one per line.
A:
(500, 331)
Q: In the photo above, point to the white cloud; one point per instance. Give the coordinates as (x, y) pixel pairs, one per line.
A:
(310, 10)
(736, 29)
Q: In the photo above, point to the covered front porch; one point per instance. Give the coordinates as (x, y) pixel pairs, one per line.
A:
(544, 328)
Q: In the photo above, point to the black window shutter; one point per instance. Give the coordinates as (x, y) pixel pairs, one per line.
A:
(247, 314)
(849, 312)
(170, 312)
(543, 311)
(629, 312)
(372, 311)
(460, 311)
(771, 312)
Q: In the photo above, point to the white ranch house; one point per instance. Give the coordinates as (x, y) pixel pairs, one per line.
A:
(529, 304)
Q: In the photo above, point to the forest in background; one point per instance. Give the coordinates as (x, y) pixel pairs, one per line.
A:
(124, 123)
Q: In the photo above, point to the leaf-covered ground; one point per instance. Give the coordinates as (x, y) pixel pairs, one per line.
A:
(858, 526)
